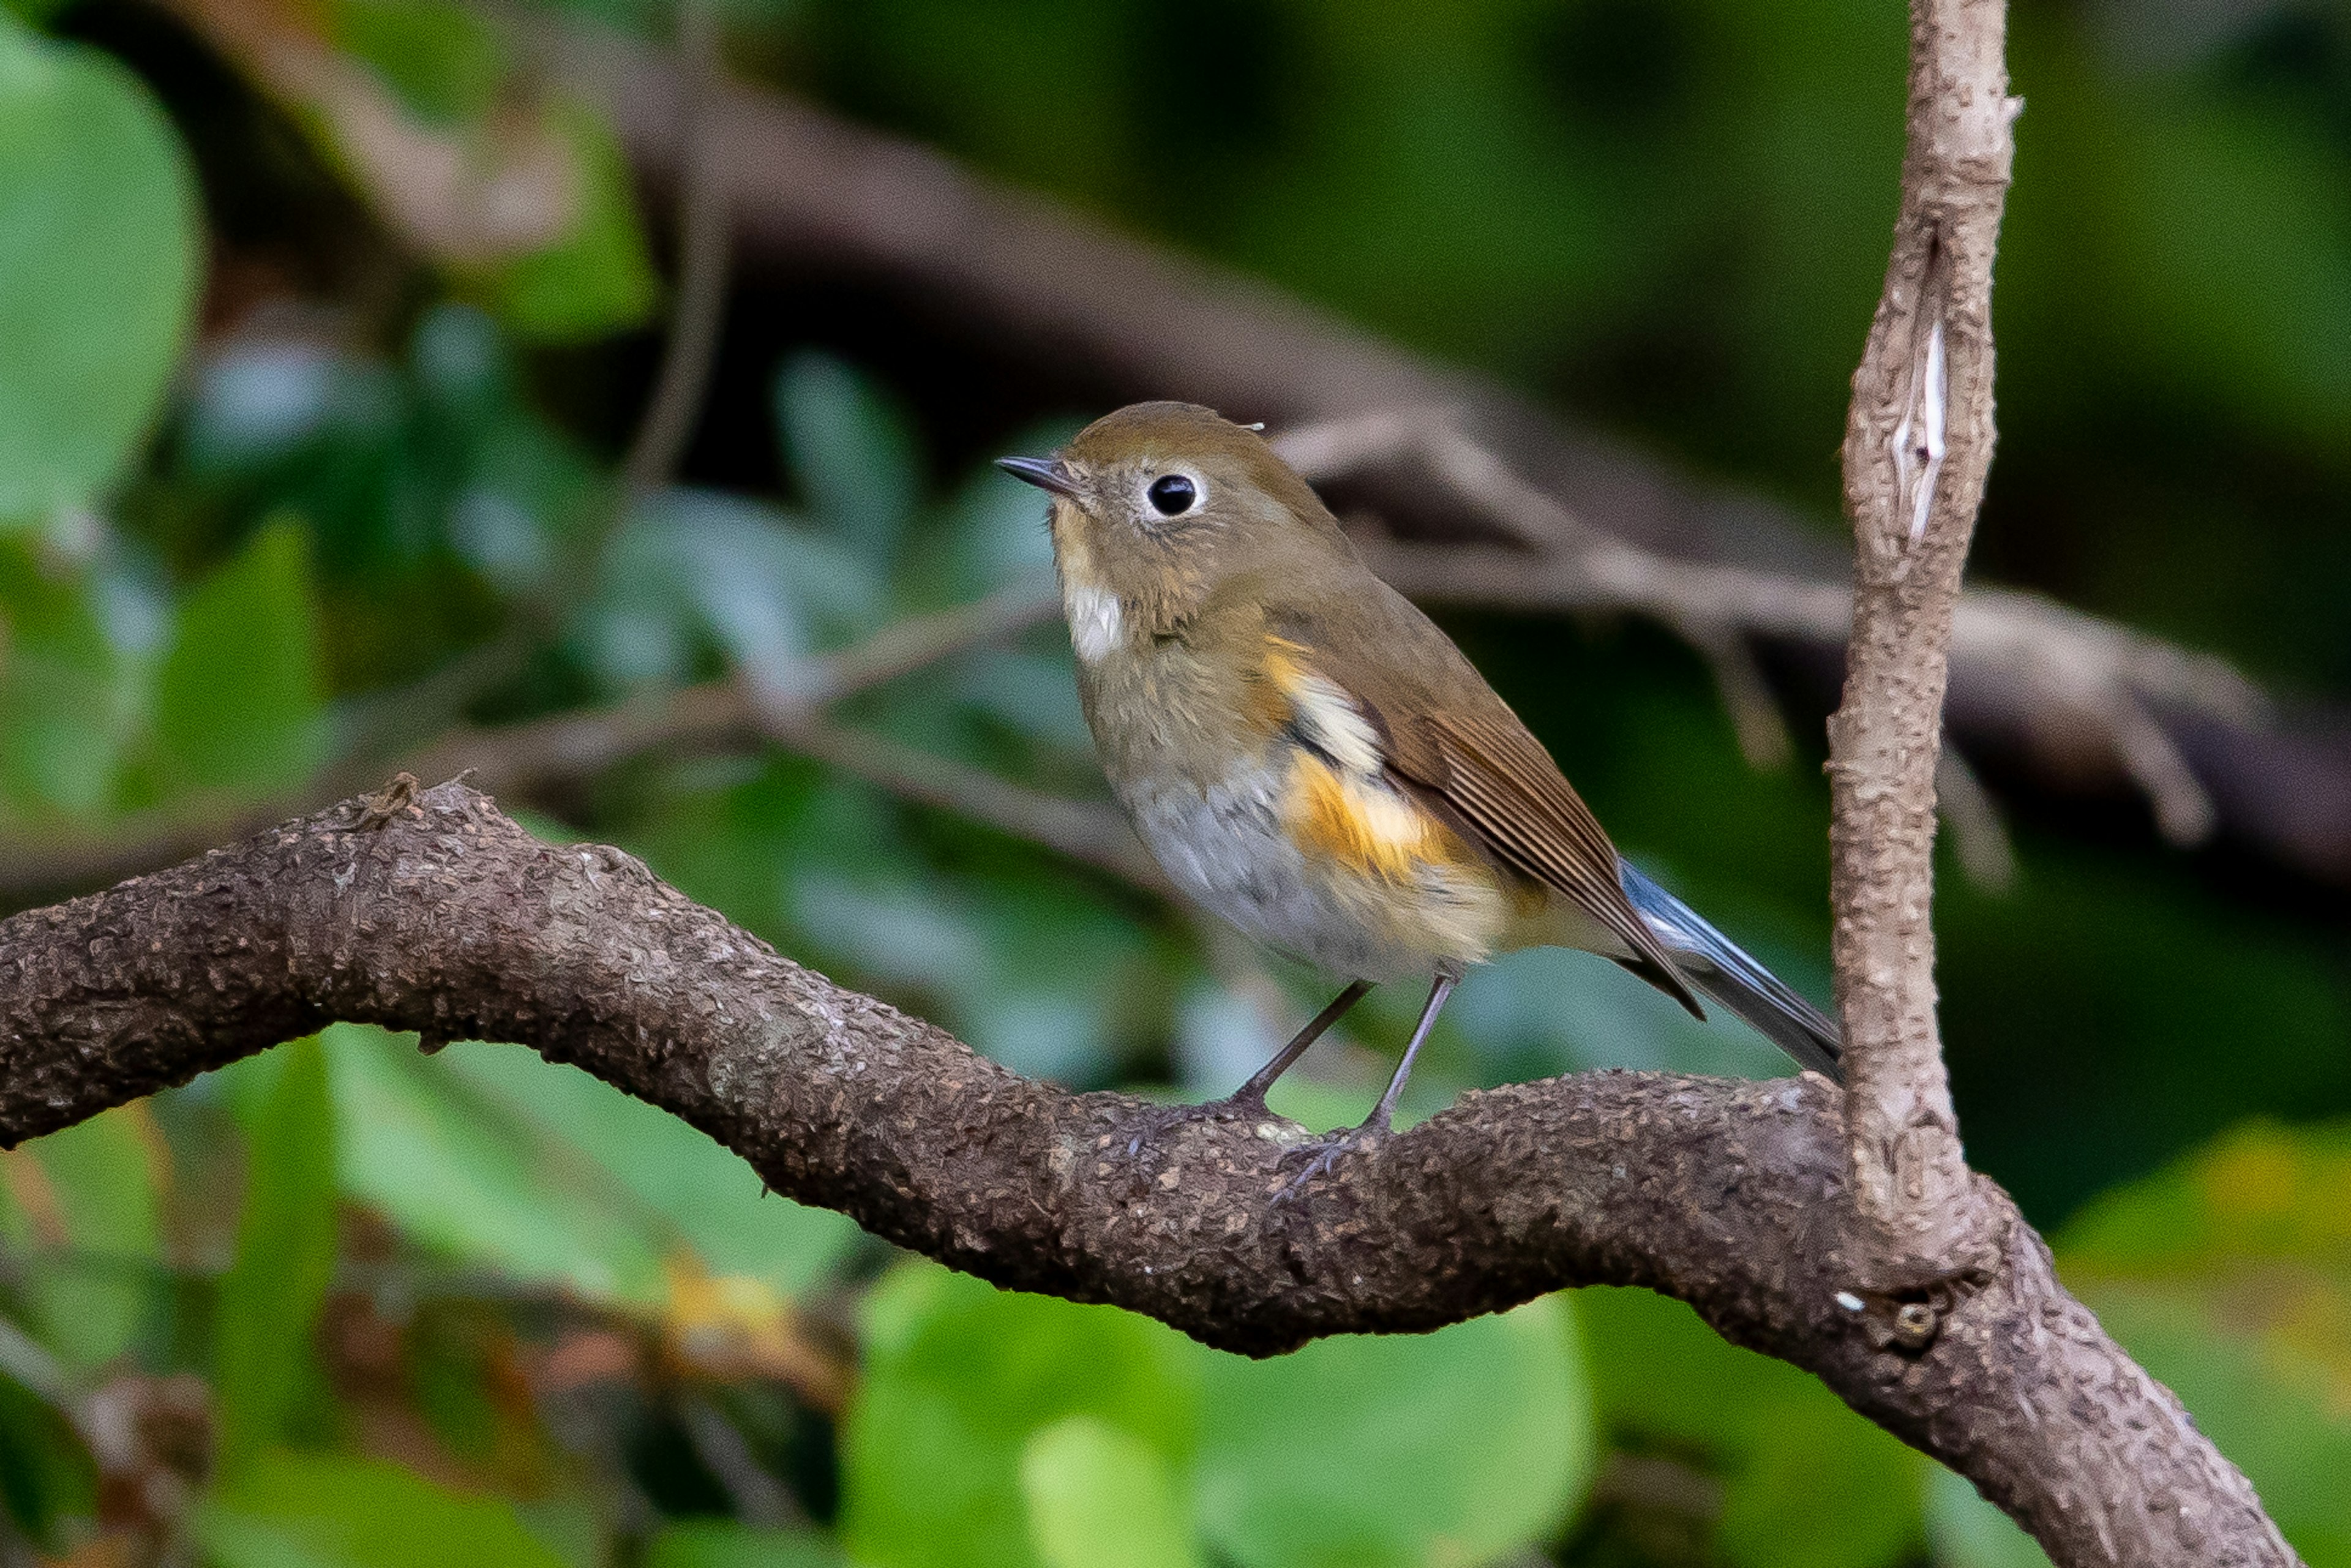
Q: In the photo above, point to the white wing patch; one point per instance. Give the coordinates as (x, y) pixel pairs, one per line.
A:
(1330, 721)
(1097, 624)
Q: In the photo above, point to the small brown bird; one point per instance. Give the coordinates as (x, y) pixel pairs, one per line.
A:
(1311, 759)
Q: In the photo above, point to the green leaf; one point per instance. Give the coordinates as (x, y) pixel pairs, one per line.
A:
(2229, 1276)
(46, 1478)
(98, 1183)
(324, 1512)
(991, 530)
(699, 1188)
(102, 1175)
(270, 1297)
(1822, 1489)
(444, 61)
(237, 701)
(1806, 1480)
(1966, 1531)
(2257, 1195)
(850, 450)
(61, 712)
(1100, 1497)
(697, 570)
(97, 269)
(958, 1376)
(461, 1177)
(722, 1543)
(1454, 1448)
(597, 280)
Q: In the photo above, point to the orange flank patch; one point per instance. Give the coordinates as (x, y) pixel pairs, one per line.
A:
(1366, 828)
(1269, 696)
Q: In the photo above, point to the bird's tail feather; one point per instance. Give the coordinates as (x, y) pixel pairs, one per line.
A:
(1717, 966)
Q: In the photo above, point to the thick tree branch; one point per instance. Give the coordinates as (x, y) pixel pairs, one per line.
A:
(1918, 446)
(430, 911)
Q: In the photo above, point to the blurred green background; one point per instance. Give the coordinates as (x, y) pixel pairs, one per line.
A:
(308, 452)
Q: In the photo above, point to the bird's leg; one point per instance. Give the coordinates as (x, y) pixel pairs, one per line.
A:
(1382, 1113)
(1385, 1112)
(1252, 1093)
(1249, 1100)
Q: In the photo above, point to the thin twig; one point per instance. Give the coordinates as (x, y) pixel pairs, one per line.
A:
(759, 1498)
(920, 641)
(704, 234)
(2183, 808)
(2086, 677)
(26, 1362)
(526, 758)
(1746, 697)
(1979, 837)
(522, 758)
(529, 758)
(1094, 834)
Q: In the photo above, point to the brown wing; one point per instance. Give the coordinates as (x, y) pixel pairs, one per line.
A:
(1447, 736)
(1499, 782)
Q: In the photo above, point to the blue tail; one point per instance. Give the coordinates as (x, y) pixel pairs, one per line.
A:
(1714, 965)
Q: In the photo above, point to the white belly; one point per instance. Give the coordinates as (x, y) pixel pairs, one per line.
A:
(1225, 848)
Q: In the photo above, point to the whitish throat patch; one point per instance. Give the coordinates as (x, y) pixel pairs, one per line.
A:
(1096, 622)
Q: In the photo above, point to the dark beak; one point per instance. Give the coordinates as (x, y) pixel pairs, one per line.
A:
(1045, 473)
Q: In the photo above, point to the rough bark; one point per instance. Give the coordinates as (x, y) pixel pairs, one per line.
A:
(431, 911)
(1918, 445)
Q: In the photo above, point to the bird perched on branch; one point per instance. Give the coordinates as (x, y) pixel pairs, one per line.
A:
(1311, 759)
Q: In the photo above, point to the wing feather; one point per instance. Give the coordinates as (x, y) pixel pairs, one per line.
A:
(1499, 780)
(1445, 736)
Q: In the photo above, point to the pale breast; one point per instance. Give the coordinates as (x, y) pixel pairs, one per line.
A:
(1259, 788)
(1241, 848)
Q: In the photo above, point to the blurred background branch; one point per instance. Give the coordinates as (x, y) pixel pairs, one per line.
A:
(2066, 699)
(705, 239)
(1118, 315)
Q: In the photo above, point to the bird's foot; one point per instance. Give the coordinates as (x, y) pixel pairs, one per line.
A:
(1240, 1107)
(1323, 1154)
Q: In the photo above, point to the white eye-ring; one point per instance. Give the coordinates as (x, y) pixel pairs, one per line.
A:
(1173, 495)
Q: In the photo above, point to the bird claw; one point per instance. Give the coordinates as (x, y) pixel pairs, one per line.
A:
(1230, 1108)
(1327, 1152)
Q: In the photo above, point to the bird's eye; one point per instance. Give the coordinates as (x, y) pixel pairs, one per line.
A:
(1173, 495)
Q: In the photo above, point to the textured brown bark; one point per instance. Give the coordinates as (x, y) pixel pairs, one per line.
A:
(431, 911)
(1918, 445)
